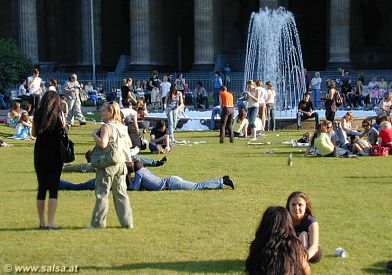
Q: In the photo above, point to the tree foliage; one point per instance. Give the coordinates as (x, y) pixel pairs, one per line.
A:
(14, 65)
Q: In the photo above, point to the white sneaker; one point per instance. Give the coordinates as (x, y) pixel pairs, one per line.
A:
(134, 151)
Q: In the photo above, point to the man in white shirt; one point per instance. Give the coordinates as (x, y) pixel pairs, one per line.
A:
(34, 86)
(130, 116)
(315, 84)
(164, 87)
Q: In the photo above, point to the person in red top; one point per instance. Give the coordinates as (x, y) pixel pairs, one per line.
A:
(226, 103)
(385, 136)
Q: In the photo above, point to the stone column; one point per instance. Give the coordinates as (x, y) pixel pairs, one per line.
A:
(85, 8)
(158, 34)
(339, 31)
(271, 4)
(204, 34)
(28, 32)
(140, 34)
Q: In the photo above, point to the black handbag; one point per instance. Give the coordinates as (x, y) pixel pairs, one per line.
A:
(66, 147)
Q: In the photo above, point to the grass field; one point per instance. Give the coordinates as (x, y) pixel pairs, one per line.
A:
(181, 232)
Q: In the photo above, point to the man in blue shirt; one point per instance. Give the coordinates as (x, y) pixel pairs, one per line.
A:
(146, 180)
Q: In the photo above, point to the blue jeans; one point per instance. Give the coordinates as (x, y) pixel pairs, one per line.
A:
(341, 136)
(146, 161)
(302, 116)
(252, 115)
(177, 183)
(172, 120)
(352, 132)
(271, 117)
(2, 102)
(316, 98)
(215, 95)
(66, 185)
(215, 111)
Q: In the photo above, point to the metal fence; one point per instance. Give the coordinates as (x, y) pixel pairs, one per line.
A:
(236, 84)
(110, 80)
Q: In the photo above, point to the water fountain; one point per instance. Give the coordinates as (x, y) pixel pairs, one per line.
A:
(274, 54)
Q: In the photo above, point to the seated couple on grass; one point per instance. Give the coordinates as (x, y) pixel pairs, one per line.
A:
(145, 180)
(286, 240)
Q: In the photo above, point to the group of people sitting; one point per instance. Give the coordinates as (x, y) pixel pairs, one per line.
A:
(342, 139)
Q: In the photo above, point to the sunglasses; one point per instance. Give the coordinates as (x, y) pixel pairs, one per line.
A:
(366, 125)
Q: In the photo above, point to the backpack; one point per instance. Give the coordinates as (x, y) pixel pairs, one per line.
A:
(378, 150)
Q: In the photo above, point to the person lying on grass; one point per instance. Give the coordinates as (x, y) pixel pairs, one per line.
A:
(88, 168)
(146, 180)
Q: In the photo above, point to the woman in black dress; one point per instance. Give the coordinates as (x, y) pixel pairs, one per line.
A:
(48, 119)
(126, 92)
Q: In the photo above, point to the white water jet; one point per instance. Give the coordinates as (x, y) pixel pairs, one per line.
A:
(273, 53)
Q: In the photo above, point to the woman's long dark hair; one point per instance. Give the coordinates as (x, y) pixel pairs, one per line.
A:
(316, 133)
(275, 249)
(241, 115)
(173, 90)
(49, 110)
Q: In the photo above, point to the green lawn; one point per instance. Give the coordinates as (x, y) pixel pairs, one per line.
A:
(184, 232)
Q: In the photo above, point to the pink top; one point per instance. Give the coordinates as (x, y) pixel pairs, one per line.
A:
(270, 96)
(374, 93)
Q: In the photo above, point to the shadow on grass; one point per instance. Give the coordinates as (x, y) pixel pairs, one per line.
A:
(25, 229)
(19, 190)
(276, 154)
(207, 266)
(368, 177)
(376, 268)
(84, 228)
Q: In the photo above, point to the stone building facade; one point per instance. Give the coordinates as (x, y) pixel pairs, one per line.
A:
(194, 34)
